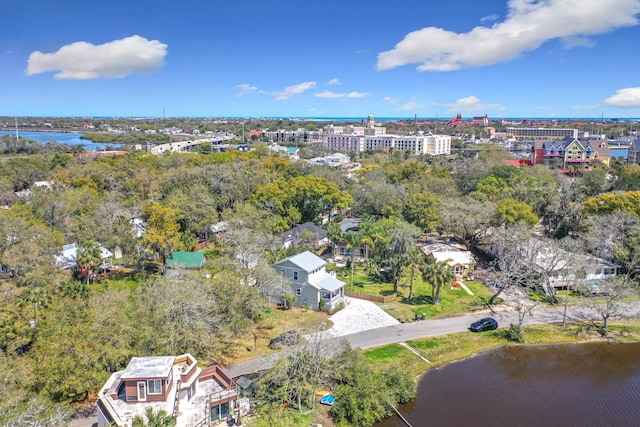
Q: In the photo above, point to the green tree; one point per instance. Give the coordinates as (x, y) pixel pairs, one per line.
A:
(422, 210)
(37, 297)
(415, 261)
(158, 418)
(88, 257)
(438, 275)
(302, 198)
(511, 211)
(353, 240)
(162, 233)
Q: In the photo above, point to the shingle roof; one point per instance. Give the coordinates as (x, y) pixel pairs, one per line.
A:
(350, 224)
(316, 230)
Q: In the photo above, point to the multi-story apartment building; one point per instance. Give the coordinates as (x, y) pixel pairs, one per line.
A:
(344, 143)
(570, 152)
(541, 133)
(347, 139)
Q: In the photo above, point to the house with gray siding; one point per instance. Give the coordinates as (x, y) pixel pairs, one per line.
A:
(312, 284)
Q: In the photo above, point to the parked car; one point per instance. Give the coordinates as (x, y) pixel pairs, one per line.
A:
(486, 324)
(285, 339)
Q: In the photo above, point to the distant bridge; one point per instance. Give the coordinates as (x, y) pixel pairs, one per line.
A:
(180, 146)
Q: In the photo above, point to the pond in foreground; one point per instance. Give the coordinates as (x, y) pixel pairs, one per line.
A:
(592, 384)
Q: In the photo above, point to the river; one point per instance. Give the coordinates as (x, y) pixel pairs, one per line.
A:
(592, 384)
(69, 138)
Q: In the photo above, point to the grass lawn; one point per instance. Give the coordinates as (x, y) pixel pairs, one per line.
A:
(274, 322)
(452, 302)
(447, 348)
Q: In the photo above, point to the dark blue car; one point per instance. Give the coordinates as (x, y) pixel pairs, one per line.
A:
(486, 324)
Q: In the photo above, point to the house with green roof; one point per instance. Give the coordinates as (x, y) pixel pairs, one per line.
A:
(186, 260)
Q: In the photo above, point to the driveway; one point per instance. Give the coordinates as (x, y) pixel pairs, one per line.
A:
(358, 315)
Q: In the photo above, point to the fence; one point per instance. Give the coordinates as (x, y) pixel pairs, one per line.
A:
(369, 297)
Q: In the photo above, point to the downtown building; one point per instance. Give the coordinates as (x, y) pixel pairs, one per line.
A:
(541, 133)
(433, 145)
(370, 137)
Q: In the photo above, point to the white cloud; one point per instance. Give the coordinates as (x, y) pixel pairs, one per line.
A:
(625, 98)
(293, 90)
(246, 88)
(411, 106)
(329, 94)
(83, 60)
(334, 82)
(585, 107)
(490, 18)
(577, 41)
(528, 25)
(390, 100)
(471, 104)
(333, 95)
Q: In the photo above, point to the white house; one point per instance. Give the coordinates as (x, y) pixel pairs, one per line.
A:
(312, 285)
(67, 259)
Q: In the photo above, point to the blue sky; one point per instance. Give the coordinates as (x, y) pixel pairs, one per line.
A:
(320, 58)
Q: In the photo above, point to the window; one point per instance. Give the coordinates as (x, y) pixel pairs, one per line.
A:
(155, 386)
(598, 271)
(298, 291)
(295, 275)
(283, 271)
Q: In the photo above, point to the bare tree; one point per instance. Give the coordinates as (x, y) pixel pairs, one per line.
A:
(512, 266)
(524, 309)
(606, 299)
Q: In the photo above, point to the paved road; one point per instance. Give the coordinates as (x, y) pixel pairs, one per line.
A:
(180, 146)
(427, 328)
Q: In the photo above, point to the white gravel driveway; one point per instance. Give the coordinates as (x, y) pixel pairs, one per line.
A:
(357, 316)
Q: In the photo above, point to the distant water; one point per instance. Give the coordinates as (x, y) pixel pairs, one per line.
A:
(593, 384)
(68, 138)
(448, 117)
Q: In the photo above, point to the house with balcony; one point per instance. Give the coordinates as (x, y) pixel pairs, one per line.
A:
(570, 153)
(312, 284)
(175, 384)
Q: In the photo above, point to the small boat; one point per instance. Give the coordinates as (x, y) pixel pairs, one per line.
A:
(328, 399)
(321, 393)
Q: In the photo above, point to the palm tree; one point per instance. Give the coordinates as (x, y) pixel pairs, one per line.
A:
(89, 256)
(437, 274)
(37, 297)
(414, 260)
(353, 239)
(154, 419)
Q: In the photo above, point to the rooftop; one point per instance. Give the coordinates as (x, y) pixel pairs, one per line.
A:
(307, 261)
(148, 367)
(186, 259)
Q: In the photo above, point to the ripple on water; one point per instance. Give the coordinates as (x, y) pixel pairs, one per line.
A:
(593, 384)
